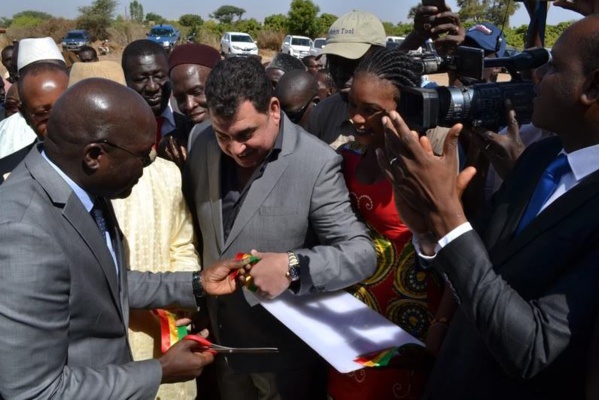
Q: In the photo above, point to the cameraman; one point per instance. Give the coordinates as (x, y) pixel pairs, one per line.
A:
(526, 275)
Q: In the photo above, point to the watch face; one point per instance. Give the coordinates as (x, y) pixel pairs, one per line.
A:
(294, 273)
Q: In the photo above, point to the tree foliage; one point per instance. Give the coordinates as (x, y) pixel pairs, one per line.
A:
(325, 21)
(96, 18)
(153, 18)
(136, 10)
(191, 20)
(29, 19)
(497, 12)
(276, 22)
(301, 18)
(225, 14)
(251, 26)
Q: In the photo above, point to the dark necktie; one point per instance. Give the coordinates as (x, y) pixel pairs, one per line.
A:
(97, 213)
(545, 188)
(159, 123)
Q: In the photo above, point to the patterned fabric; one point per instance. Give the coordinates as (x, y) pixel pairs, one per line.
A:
(399, 290)
(159, 237)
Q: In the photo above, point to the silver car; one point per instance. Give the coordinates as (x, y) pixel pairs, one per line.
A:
(317, 46)
(238, 43)
(296, 46)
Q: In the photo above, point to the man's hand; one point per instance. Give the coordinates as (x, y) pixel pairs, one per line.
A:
(172, 150)
(584, 7)
(442, 26)
(428, 182)
(502, 150)
(269, 274)
(180, 363)
(216, 280)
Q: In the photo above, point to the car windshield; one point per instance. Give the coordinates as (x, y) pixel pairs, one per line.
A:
(75, 36)
(161, 32)
(319, 43)
(300, 42)
(241, 38)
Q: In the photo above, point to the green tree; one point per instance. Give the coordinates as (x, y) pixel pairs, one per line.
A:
(301, 18)
(96, 18)
(136, 10)
(276, 22)
(190, 20)
(325, 21)
(251, 26)
(225, 14)
(29, 19)
(494, 11)
(154, 18)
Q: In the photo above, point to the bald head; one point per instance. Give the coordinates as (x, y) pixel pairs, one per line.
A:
(297, 91)
(101, 134)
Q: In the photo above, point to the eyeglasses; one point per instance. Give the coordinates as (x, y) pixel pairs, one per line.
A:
(146, 159)
(296, 116)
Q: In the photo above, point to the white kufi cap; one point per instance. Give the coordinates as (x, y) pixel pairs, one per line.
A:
(38, 49)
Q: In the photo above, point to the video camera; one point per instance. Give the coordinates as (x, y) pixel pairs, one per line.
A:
(479, 104)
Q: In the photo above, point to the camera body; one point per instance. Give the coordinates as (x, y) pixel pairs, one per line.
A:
(479, 104)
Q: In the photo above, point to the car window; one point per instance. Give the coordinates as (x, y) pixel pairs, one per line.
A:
(319, 43)
(76, 36)
(242, 38)
(300, 42)
(287, 40)
(161, 32)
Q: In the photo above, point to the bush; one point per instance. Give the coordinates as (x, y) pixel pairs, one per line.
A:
(56, 28)
(270, 40)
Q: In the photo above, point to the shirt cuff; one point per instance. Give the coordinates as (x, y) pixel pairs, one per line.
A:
(444, 241)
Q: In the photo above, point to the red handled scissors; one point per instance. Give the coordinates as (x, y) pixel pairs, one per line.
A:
(207, 345)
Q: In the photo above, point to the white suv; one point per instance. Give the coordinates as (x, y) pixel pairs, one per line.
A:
(238, 43)
(317, 46)
(297, 46)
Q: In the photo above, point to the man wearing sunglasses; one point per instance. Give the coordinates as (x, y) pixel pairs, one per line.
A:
(66, 290)
(298, 93)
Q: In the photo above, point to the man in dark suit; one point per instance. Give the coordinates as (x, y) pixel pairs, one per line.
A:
(525, 274)
(145, 64)
(65, 292)
(258, 181)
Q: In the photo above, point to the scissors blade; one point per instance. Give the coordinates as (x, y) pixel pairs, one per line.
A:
(225, 349)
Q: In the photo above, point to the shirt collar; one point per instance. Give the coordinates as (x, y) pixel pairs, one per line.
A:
(584, 161)
(79, 192)
(169, 119)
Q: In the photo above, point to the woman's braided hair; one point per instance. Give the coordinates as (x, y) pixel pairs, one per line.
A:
(393, 66)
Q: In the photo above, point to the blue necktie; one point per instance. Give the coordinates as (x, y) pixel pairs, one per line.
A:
(545, 188)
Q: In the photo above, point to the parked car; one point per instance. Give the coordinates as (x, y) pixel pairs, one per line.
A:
(317, 46)
(238, 43)
(165, 35)
(75, 40)
(297, 46)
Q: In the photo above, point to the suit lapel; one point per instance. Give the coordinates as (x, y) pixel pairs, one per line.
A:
(214, 176)
(83, 223)
(560, 209)
(262, 187)
(256, 195)
(76, 215)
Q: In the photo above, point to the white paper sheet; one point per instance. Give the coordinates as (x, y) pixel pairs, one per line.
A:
(337, 326)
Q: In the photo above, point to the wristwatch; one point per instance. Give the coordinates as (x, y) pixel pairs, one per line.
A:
(293, 273)
(198, 288)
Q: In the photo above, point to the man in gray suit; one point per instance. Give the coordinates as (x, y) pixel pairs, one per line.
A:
(65, 293)
(258, 181)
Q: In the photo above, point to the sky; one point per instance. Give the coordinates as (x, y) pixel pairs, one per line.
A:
(387, 10)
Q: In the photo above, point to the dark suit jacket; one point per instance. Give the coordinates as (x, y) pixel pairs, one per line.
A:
(528, 302)
(63, 310)
(300, 203)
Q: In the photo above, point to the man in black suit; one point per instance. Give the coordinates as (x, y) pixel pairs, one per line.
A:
(525, 274)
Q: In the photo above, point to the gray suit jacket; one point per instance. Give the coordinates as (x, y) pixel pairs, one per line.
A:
(528, 302)
(300, 203)
(63, 310)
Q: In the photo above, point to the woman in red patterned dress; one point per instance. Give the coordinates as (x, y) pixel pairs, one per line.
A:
(399, 290)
